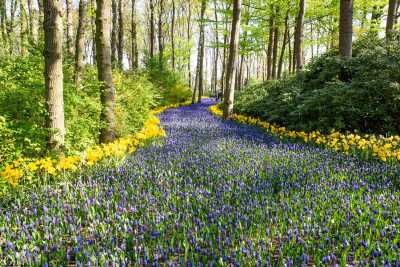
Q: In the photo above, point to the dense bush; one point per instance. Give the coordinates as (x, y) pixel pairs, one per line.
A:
(170, 84)
(317, 99)
(23, 107)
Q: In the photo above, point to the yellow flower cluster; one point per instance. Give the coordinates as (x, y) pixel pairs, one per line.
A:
(384, 148)
(15, 171)
(164, 108)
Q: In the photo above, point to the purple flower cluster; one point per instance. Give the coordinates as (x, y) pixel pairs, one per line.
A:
(212, 193)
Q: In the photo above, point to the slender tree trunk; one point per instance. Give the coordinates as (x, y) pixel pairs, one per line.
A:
(41, 18)
(390, 19)
(31, 17)
(285, 40)
(217, 48)
(200, 58)
(80, 43)
(173, 35)
(346, 28)
(233, 51)
(270, 47)
(53, 56)
(298, 39)
(189, 19)
(152, 29)
(104, 68)
(70, 46)
(3, 23)
(114, 47)
(93, 28)
(135, 52)
(160, 31)
(120, 35)
(275, 51)
(23, 28)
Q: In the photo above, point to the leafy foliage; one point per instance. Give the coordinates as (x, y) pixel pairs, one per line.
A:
(317, 99)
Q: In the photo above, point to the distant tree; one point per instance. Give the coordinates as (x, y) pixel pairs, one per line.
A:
(135, 51)
(104, 67)
(53, 57)
(120, 34)
(80, 43)
(68, 9)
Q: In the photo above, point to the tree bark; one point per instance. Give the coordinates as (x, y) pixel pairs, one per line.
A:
(173, 35)
(233, 51)
(23, 28)
(285, 40)
(152, 29)
(189, 19)
(135, 52)
(104, 67)
(160, 31)
(390, 19)
(270, 46)
(80, 43)
(70, 46)
(346, 28)
(53, 56)
(120, 35)
(200, 64)
(114, 29)
(275, 51)
(298, 41)
(216, 49)
(93, 28)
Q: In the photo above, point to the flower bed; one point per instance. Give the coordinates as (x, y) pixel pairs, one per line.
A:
(25, 169)
(384, 148)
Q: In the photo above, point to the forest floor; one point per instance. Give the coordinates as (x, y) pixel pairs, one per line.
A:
(217, 192)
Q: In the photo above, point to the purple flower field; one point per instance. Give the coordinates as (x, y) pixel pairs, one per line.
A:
(213, 193)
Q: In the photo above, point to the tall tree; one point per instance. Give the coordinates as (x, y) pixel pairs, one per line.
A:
(298, 38)
(152, 28)
(160, 31)
(346, 28)
(233, 51)
(23, 22)
(391, 18)
(284, 43)
(80, 43)
(200, 55)
(173, 35)
(189, 36)
(270, 46)
(53, 57)
(104, 67)
(114, 33)
(68, 9)
(120, 34)
(135, 52)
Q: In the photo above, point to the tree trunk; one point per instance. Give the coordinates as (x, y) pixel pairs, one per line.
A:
(152, 29)
(233, 51)
(80, 43)
(346, 28)
(285, 40)
(135, 52)
(298, 39)
(275, 51)
(23, 28)
(189, 19)
(173, 35)
(53, 56)
(200, 58)
(216, 49)
(93, 28)
(160, 31)
(120, 35)
(270, 46)
(114, 47)
(70, 46)
(3, 19)
(32, 37)
(104, 68)
(390, 19)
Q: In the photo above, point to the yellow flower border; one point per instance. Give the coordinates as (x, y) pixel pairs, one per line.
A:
(384, 148)
(25, 167)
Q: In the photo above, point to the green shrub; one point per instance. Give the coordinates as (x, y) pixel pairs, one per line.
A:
(317, 99)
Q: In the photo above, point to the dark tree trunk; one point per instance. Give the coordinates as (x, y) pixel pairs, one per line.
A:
(135, 52)
(390, 19)
(114, 47)
(53, 56)
(152, 29)
(80, 43)
(216, 49)
(346, 28)
(160, 31)
(298, 39)
(200, 57)
(173, 35)
(93, 29)
(285, 40)
(270, 47)
(108, 94)
(233, 51)
(120, 35)
(70, 46)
